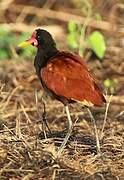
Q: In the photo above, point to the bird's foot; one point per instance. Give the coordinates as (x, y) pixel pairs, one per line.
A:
(43, 121)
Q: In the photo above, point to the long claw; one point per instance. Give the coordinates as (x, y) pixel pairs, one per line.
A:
(45, 122)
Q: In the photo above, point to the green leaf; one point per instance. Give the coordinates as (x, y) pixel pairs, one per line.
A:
(72, 40)
(108, 83)
(3, 54)
(111, 84)
(72, 26)
(3, 32)
(97, 43)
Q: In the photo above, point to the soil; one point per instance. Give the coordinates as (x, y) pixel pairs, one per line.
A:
(28, 152)
(25, 153)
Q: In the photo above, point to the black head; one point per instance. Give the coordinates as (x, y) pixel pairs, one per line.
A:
(40, 38)
(44, 38)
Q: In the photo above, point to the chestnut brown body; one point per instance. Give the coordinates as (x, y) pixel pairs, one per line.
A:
(67, 76)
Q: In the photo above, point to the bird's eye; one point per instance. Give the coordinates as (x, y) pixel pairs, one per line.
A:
(38, 37)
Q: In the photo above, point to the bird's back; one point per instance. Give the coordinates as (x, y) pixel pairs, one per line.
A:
(67, 76)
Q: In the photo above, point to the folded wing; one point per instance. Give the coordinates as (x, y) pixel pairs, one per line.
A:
(67, 76)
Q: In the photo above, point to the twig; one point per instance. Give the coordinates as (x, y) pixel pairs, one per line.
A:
(18, 128)
(52, 14)
(25, 113)
(17, 170)
(120, 114)
(105, 117)
(83, 29)
(10, 131)
(13, 113)
(22, 15)
(117, 99)
(9, 97)
(56, 30)
(1, 88)
(25, 143)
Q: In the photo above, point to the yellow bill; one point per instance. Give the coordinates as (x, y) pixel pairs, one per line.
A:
(24, 44)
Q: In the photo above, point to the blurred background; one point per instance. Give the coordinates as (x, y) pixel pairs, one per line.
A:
(95, 30)
(72, 24)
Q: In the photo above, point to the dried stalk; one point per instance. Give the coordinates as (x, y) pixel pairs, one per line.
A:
(63, 16)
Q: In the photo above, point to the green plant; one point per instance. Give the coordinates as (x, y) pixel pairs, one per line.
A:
(72, 37)
(6, 39)
(9, 41)
(95, 40)
(29, 51)
(77, 39)
(97, 43)
(111, 85)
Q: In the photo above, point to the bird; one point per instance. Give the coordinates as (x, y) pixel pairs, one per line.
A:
(64, 76)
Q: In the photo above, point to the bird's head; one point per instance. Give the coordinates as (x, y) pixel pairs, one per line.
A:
(39, 38)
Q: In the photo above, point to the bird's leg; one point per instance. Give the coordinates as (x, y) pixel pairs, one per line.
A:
(95, 131)
(68, 133)
(43, 118)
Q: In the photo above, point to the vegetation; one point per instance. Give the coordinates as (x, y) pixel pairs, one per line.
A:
(95, 40)
(9, 42)
(94, 30)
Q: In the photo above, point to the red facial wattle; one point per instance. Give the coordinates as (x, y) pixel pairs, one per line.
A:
(33, 41)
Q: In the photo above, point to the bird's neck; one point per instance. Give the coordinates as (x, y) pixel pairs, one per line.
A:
(42, 57)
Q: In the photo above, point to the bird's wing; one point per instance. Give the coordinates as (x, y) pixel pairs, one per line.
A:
(67, 75)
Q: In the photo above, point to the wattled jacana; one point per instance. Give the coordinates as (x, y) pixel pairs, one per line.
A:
(63, 75)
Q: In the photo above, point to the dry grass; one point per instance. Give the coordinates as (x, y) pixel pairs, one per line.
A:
(26, 154)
